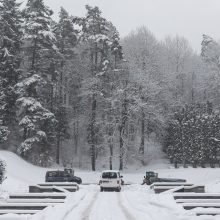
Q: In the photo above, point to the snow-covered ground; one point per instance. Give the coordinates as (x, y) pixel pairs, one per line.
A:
(134, 202)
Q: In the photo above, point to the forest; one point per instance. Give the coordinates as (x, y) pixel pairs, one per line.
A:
(73, 92)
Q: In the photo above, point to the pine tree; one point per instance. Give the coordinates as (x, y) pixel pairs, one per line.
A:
(36, 88)
(38, 36)
(116, 48)
(10, 59)
(37, 123)
(210, 51)
(95, 35)
(66, 37)
(194, 138)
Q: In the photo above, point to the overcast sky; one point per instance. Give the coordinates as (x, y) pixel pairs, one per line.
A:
(188, 18)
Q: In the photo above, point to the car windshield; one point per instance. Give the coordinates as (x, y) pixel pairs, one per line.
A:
(150, 174)
(110, 175)
(51, 174)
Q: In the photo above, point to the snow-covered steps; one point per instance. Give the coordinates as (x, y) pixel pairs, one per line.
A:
(199, 203)
(38, 196)
(54, 187)
(170, 184)
(62, 184)
(196, 196)
(177, 187)
(43, 189)
(21, 212)
(192, 205)
(35, 200)
(24, 206)
(206, 211)
(30, 203)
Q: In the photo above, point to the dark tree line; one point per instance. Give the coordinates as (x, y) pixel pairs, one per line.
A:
(194, 136)
(41, 65)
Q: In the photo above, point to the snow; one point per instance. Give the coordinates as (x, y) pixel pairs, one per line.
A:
(20, 174)
(30, 102)
(106, 171)
(47, 34)
(89, 203)
(99, 37)
(134, 202)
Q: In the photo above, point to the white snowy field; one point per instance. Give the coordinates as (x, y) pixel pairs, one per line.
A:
(134, 202)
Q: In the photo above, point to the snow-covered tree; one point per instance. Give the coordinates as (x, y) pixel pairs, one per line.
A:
(35, 90)
(10, 59)
(37, 123)
(67, 38)
(116, 48)
(141, 49)
(2, 171)
(95, 35)
(193, 135)
(210, 54)
(178, 61)
(210, 51)
(66, 35)
(38, 37)
(4, 132)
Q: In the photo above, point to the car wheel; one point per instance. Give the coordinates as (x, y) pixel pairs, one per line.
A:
(148, 182)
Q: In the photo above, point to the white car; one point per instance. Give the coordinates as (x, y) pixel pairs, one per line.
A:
(110, 180)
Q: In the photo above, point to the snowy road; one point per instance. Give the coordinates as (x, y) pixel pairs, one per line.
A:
(132, 203)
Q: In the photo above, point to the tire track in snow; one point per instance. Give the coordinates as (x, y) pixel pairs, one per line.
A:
(125, 211)
(73, 207)
(139, 209)
(106, 207)
(86, 214)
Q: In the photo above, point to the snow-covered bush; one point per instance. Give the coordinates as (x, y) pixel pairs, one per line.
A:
(43, 159)
(193, 136)
(4, 132)
(2, 171)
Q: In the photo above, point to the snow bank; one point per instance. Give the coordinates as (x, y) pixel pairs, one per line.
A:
(20, 174)
(135, 202)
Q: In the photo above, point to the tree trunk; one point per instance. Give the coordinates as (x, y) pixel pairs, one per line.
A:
(94, 103)
(184, 163)
(111, 155)
(121, 143)
(93, 122)
(51, 98)
(58, 150)
(110, 137)
(175, 164)
(76, 136)
(141, 149)
(194, 164)
(75, 131)
(34, 54)
(121, 133)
